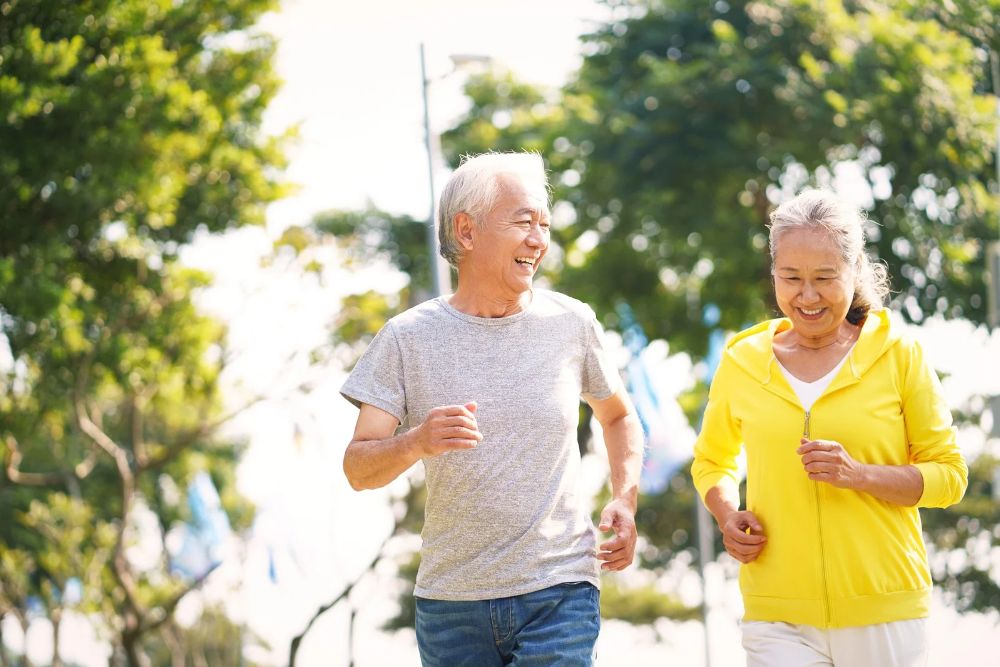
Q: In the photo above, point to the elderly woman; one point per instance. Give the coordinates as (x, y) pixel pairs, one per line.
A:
(846, 435)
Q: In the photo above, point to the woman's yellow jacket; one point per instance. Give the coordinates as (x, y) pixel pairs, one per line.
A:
(834, 557)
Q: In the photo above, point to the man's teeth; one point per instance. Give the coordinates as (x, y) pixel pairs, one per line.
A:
(524, 260)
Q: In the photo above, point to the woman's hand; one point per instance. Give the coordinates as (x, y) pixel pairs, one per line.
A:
(743, 536)
(828, 461)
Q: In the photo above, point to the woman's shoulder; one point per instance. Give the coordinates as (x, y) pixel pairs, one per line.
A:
(758, 336)
(751, 349)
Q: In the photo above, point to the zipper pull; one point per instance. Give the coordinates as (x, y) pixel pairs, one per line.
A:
(805, 427)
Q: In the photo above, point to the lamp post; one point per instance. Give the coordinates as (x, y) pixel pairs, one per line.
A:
(440, 278)
(993, 270)
(993, 249)
(439, 268)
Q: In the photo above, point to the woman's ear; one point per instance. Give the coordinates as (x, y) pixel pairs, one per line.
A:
(464, 228)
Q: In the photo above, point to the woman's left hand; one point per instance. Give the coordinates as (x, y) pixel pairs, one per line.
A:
(828, 461)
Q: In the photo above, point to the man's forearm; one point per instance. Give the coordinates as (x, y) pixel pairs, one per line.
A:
(371, 464)
(623, 439)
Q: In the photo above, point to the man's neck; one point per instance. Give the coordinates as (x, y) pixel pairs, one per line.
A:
(480, 304)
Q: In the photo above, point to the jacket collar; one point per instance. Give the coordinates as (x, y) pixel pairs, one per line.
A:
(752, 351)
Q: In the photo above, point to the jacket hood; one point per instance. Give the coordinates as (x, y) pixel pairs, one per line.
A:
(751, 349)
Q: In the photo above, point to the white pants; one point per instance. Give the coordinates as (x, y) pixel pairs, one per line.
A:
(897, 644)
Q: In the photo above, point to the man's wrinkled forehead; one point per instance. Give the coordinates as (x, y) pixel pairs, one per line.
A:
(530, 191)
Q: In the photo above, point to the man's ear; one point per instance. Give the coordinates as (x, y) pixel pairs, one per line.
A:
(464, 228)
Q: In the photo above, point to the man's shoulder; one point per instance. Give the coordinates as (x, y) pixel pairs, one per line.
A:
(554, 303)
(419, 315)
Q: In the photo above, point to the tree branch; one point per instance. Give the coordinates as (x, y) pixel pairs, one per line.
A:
(167, 609)
(297, 641)
(120, 566)
(176, 447)
(14, 474)
(138, 441)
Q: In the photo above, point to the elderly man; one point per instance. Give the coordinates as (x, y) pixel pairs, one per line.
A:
(487, 384)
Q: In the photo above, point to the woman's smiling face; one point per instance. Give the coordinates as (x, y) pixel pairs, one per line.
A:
(813, 285)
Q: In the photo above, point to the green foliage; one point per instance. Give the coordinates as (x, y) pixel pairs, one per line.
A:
(667, 519)
(371, 236)
(407, 616)
(213, 640)
(964, 539)
(365, 238)
(642, 605)
(127, 127)
(688, 120)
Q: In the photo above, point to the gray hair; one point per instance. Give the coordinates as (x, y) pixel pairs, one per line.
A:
(474, 189)
(818, 209)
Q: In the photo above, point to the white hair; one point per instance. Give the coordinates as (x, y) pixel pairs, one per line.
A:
(474, 189)
(818, 209)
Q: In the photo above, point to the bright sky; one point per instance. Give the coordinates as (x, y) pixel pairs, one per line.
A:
(353, 79)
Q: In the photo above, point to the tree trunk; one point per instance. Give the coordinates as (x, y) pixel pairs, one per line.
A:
(4, 661)
(115, 659)
(56, 624)
(350, 636)
(134, 656)
(174, 641)
(25, 660)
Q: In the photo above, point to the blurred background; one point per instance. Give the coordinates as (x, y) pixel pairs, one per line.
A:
(208, 208)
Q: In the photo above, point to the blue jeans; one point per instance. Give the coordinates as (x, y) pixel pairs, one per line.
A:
(554, 626)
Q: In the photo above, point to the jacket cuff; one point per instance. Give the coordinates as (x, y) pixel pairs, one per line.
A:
(942, 487)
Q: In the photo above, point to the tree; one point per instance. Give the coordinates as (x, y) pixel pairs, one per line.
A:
(688, 120)
(127, 128)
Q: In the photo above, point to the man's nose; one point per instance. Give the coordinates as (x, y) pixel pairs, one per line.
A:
(536, 237)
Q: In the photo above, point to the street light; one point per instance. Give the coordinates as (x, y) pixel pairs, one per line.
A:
(993, 249)
(440, 270)
(993, 270)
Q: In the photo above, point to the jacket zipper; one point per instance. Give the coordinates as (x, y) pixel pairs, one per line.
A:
(822, 551)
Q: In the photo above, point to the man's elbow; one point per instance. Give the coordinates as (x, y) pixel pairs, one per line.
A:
(625, 417)
(354, 477)
(633, 426)
(356, 483)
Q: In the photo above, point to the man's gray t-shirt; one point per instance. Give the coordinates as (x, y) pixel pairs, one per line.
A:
(507, 517)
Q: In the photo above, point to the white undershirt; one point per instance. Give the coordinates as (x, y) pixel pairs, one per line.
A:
(808, 392)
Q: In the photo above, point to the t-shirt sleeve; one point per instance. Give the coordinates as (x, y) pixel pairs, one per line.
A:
(377, 378)
(600, 374)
